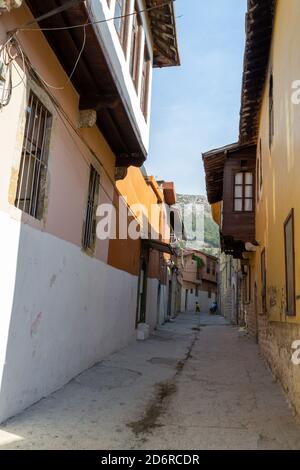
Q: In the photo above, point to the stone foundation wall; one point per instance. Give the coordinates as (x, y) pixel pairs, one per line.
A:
(251, 320)
(275, 340)
(227, 304)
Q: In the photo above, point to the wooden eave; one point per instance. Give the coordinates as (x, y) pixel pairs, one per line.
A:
(163, 27)
(158, 245)
(155, 188)
(214, 163)
(93, 79)
(259, 28)
(169, 193)
(232, 247)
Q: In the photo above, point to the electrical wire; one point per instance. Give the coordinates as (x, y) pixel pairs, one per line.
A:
(90, 23)
(60, 88)
(6, 80)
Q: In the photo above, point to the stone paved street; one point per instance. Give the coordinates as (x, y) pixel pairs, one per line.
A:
(193, 385)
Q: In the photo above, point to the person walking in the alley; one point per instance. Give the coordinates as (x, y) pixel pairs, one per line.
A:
(197, 307)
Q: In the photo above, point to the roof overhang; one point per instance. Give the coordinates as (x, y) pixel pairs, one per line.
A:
(93, 77)
(259, 29)
(169, 193)
(151, 181)
(232, 247)
(164, 34)
(159, 246)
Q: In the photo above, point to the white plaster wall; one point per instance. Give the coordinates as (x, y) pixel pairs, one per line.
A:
(60, 312)
(9, 240)
(163, 305)
(204, 301)
(192, 299)
(182, 299)
(119, 66)
(174, 294)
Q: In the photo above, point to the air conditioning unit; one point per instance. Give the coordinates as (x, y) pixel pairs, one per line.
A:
(7, 5)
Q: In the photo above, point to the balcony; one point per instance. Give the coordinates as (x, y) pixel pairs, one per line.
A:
(230, 179)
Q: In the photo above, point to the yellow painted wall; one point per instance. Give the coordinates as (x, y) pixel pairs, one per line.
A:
(281, 166)
(137, 191)
(125, 254)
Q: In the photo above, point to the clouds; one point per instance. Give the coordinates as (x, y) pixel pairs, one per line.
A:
(196, 106)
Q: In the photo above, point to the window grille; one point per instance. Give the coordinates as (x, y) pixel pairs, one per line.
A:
(89, 229)
(33, 166)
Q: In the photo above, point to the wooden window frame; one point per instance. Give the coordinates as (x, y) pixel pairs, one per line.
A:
(213, 268)
(243, 185)
(135, 47)
(35, 151)
(290, 218)
(259, 172)
(208, 267)
(122, 32)
(145, 81)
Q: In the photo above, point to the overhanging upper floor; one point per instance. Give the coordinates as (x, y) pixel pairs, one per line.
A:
(101, 76)
(230, 179)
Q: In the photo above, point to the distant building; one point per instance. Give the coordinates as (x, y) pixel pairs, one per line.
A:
(198, 277)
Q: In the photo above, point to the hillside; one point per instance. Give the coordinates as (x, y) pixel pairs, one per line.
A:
(202, 232)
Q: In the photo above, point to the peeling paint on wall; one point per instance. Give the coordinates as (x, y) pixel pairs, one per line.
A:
(35, 325)
(272, 292)
(13, 184)
(53, 280)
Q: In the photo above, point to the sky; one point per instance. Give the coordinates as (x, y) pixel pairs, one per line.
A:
(196, 107)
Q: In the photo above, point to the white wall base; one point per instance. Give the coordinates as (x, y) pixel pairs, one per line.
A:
(61, 312)
(152, 303)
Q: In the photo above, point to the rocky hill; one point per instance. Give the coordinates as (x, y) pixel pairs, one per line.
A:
(202, 232)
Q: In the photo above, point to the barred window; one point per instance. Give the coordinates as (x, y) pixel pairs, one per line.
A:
(89, 227)
(33, 167)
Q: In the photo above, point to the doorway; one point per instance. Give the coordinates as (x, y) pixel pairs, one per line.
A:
(142, 294)
(169, 311)
(158, 302)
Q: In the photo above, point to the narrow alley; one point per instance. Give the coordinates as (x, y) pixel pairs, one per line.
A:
(197, 383)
